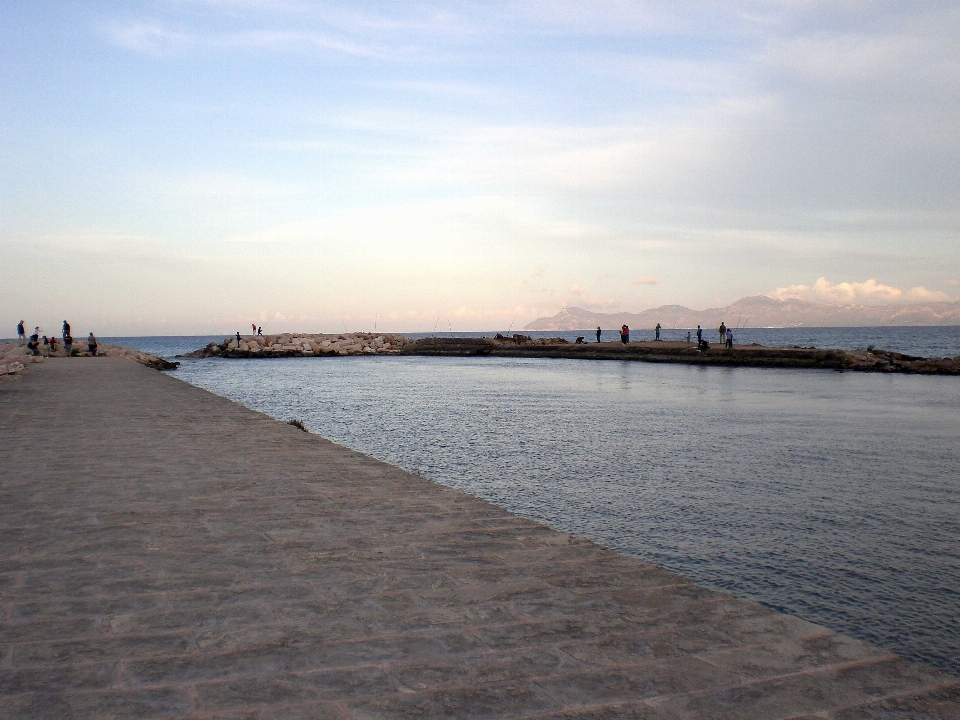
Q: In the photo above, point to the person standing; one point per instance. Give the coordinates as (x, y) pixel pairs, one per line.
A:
(598, 333)
(68, 345)
(66, 330)
(657, 329)
(21, 333)
(729, 339)
(722, 331)
(253, 328)
(699, 337)
(624, 334)
(92, 344)
(688, 337)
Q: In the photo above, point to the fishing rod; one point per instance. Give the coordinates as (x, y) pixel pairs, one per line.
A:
(435, 325)
(512, 321)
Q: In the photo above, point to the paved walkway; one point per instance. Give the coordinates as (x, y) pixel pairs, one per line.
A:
(167, 553)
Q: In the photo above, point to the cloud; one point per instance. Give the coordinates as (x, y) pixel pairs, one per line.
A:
(156, 39)
(643, 280)
(588, 301)
(869, 292)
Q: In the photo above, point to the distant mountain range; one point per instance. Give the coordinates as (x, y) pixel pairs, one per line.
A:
(758, 311)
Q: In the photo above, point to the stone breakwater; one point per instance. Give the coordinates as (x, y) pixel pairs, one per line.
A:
(304, 345)
(870, 360)
(14, 358)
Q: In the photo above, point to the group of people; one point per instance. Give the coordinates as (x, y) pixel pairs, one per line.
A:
(43, 345)
(725, 333)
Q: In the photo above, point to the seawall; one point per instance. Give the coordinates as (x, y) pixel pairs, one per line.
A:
(168, 553)
(319, 345)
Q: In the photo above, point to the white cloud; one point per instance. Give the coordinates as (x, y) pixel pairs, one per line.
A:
(643, 280)
(589, 301)
(869, 292)
(157, 39)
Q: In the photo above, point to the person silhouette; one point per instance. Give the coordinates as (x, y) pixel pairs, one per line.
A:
(598, 333)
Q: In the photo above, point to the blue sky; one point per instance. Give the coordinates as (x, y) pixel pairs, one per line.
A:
(190, 166)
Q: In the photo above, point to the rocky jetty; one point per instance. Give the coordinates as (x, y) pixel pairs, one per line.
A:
(15, 358)
(870, 360)
(304, 345)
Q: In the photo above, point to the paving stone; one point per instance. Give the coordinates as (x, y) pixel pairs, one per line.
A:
(941, 703)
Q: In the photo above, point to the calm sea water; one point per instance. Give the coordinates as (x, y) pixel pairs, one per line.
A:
(832, 496)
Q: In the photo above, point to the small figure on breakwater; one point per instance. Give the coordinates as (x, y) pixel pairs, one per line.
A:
(688, 337)
(68, 344)
(598, 333)
(33, 345)
(238, 338)
(65, 330)
(92, 344)
(729, 339)
(722, 331)
(53, 344)
(259, 332)
(657, 330)
(699, 335)
(253, 328)
(21, 333)
(624, 334)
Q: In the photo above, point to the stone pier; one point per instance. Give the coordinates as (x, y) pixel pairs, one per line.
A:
(166, 553)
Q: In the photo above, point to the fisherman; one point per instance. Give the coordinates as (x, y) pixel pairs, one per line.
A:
(729, 339)
(688, 337)
(238, 339)
(259, 332)
(657, 329)
(722, 331)
(92, 344)
(66, 329)
(22, 336)
(598, 333)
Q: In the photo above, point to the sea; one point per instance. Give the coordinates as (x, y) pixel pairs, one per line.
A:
(831, 496)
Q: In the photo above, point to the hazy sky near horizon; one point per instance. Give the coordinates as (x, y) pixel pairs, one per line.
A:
(191, 166)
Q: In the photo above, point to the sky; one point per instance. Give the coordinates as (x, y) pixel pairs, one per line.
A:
(192, 166)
